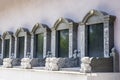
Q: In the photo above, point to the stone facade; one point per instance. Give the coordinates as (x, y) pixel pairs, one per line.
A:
(96, 17)
(54, 64)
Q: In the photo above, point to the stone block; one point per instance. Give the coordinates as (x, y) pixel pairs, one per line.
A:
(54, 64)
(7, 63)
(16, 61)
(26, 63)
(85, 64)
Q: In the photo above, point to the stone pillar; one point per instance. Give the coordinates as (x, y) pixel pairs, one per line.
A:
(44, 45)
(15, 49)
(2, 54)
(25, 46)
(106, 39)
(70, 41)
(53, 43)
(81, 39)
(10, 46)
(32, 46)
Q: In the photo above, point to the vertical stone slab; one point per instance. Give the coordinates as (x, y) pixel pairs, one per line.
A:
(70, 41)
(81, 41)
(15, 49)
(106, 39)
(25, 46)
(44, 45)
(10, 48)
(32, 45)
(53, 43)
(2, 54)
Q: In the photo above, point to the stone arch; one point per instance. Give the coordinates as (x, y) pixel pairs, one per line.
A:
(62, 24)
(7, 44)
(25, 34)
(41, 29)
(95, 17)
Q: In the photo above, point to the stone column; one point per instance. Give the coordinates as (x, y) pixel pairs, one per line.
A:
(81, 40)
(2, 54)
(32, 45)
(10, 46)
(44, 45)
(15, 49)
(25, 45)
(70, 41)
(106, 39)
(53, 43)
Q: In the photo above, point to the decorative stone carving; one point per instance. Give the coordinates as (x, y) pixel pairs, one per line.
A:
(85, 64)
(54, 64)
(26, 63)
(7, 63)
(51, 64)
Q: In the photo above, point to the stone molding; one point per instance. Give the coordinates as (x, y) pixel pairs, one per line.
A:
(37, 29)
(60, 24)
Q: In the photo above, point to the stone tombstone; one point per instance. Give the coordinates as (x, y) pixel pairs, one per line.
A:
(22, 32)
(97, 17)
(61, 24)
(46, 32)
(8, 35)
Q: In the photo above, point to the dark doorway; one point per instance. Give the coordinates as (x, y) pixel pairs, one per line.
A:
(6, 48)
(63, 43)
(95, 40)
(21, 47)
(39, 45)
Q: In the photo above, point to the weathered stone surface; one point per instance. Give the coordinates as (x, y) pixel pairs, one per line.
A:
(7, 63)
(37, 62)
(96, 64)
(85, 64)
(102, 64)
(16, 61)
(25, 63)
(55, 64)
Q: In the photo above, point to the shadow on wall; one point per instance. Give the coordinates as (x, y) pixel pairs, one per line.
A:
(71, 16)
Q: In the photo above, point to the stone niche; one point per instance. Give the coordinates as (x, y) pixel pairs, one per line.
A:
(67, 29)
(106, 22)
(7, 44)
(8, 49)
(97, 17)
(22, 44)
(40, 44)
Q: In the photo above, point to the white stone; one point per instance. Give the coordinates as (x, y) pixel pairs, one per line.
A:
(7, 63)
(85, 64)
(26, 63)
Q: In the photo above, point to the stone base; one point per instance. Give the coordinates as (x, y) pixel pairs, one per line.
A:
(25, 63)
(55, 64)
(37, 62)
(7, 63)
(102, 64)
(16, 62)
